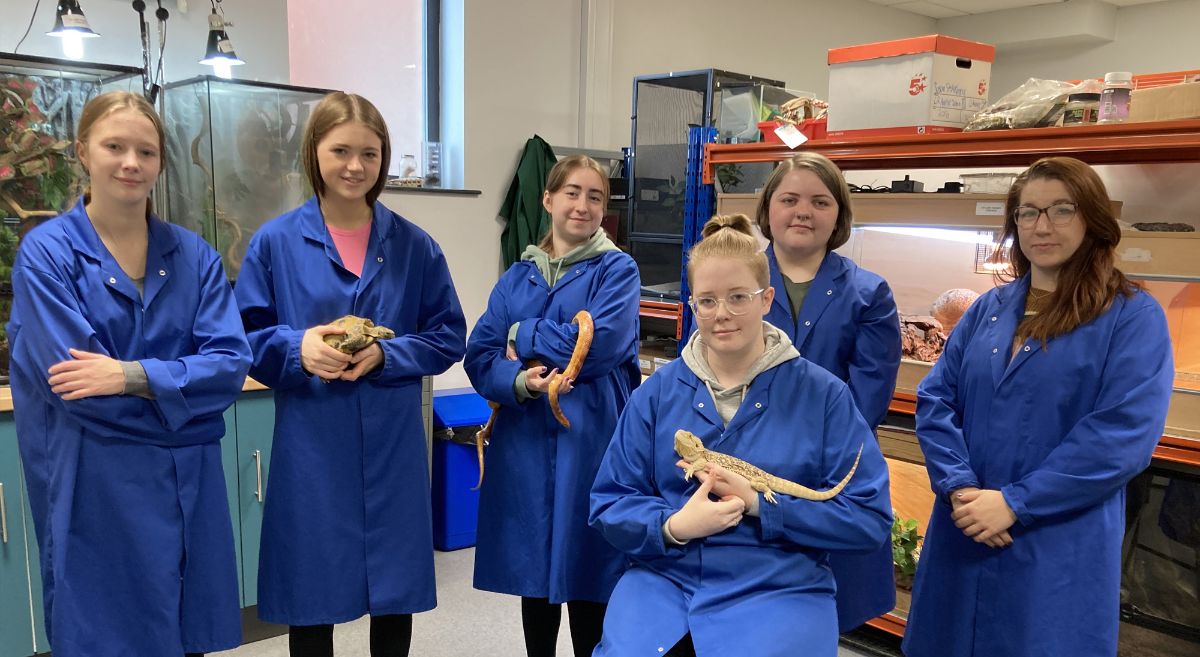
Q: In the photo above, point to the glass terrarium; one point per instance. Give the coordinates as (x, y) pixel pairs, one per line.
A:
(40, 102)
(233, 157)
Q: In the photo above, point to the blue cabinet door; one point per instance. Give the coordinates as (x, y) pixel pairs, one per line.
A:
(229, 464)
(16, 626)
(255, 419)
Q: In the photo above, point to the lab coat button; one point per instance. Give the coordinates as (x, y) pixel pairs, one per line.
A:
(162, 272)
(379, 259)
(758, 405)
(112, 280)
(807, 323)
(701, 404)
(995, 350)
(993, 319)
(1027, 348)
(828, 293)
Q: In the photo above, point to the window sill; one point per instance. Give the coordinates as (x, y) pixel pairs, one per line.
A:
(437, 191)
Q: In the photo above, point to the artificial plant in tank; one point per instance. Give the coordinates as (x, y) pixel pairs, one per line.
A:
(35, 172)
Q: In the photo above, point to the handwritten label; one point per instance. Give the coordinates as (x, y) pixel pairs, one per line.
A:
(790, 135)
(989, 209)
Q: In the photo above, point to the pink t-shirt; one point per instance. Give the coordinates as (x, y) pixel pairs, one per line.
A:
(351, 246)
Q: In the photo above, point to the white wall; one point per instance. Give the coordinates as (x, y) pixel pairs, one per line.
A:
(779, 39)
(389, 36)
(1151, 38)
(259, 35)
(521, 78)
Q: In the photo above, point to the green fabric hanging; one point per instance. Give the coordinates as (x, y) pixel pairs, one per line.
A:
(527, 220)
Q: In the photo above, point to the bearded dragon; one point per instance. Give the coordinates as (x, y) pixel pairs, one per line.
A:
(692, 450)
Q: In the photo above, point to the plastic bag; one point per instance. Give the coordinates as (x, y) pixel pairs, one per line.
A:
(1037, 103)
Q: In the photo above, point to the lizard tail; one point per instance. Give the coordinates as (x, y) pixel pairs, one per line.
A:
(806, 493)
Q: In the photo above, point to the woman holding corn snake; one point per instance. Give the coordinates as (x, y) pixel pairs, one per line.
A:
(533, 540)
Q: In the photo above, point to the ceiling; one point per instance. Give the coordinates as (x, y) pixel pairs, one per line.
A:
(952, 8)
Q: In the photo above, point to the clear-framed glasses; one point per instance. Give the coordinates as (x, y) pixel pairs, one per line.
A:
(737, 303)
(1059, 214)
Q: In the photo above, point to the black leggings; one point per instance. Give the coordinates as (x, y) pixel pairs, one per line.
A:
(682, 649)
(390, 637)
(540, 619)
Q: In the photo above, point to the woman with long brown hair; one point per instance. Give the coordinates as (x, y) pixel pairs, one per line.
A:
(1050, 396)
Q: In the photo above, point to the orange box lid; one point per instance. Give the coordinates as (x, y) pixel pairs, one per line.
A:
(932, 43)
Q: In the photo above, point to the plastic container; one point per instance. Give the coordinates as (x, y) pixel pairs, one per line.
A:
(1081, 109)
(987, 183)
(1114, 101)
(456, 418)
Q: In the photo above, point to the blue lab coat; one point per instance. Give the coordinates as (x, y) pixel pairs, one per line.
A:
(1058, 431)
(533, 539)
(347, 524)
(128, 496)
(764, 587)
(849, 326)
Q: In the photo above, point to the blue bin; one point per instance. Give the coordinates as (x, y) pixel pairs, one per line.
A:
(455, 470)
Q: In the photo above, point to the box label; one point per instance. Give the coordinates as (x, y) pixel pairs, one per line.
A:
(989, 209)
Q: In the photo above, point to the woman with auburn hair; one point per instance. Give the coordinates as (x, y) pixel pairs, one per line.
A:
(718, 567)
(1050, 396)
(126, 352)
(841, 317)
(533, 539)
(347, 529)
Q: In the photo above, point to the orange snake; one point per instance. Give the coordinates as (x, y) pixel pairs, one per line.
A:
(582, 344)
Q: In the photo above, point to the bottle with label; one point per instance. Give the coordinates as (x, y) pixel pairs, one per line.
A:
(1081, 109)
(1114, 101)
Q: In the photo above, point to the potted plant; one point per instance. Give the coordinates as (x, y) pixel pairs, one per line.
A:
(906, 549)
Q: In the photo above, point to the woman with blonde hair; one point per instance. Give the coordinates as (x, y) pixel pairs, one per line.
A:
(841, 317)
(126, 352)
(347, 529)
(1050, 396)
(719, 567)
(533, 538)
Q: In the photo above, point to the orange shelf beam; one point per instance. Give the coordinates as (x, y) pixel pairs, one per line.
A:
(1123, 143)
(670, 311)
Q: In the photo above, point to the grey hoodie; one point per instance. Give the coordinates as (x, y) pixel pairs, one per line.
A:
(551, 268)
(779, 351)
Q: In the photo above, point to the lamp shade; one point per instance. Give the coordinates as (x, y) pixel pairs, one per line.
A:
(219, 50)
(69, 20)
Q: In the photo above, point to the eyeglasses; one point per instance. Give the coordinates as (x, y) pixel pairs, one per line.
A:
(1058, 214)
(737, 303)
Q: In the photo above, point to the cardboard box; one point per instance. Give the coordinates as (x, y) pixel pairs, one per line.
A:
(655, 354)
(909, 86)
(1169, 103)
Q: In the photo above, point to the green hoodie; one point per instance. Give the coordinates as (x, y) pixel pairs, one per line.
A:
(551, 269)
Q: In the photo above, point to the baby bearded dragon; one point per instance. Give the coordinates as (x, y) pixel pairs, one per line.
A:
(690, 449)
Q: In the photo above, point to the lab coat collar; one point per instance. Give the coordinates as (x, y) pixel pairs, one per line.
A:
(826, 285)
(161, 242)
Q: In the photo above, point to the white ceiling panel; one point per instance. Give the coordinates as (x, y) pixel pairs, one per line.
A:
(949, 8)
(930, 9)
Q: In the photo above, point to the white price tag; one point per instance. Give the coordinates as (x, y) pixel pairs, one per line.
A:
(790, 135)
(989, 209)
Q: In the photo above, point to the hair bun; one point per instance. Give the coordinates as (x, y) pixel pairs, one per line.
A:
(736, 222)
